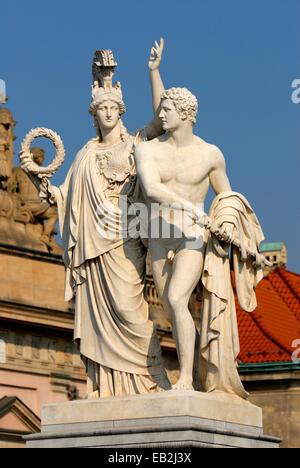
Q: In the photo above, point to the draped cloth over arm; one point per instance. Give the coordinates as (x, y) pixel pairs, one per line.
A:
(105, 272)
(219, 341)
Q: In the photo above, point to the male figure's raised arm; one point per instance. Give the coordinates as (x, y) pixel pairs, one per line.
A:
(157, 86)
(154, 128)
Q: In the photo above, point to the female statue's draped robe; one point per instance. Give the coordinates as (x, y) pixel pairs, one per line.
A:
(105, 271)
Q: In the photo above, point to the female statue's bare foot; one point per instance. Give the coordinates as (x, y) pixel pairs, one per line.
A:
(183, 384)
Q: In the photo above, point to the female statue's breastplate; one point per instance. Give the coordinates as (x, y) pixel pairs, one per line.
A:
(116, 168)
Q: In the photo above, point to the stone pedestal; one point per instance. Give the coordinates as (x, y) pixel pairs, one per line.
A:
(169, 420)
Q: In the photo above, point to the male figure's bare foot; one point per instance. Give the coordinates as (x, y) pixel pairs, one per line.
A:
(183, 384)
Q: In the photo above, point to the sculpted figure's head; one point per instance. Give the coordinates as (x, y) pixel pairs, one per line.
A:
(178, 101)
(38, 155)
(100, 95)
(107, 114)
(107, 107)
(7, 124)
(6, 118)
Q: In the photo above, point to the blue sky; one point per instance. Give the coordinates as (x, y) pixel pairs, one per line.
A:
(238, 57)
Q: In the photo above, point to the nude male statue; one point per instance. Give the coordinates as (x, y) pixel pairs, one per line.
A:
(177, 168)
(30, 196)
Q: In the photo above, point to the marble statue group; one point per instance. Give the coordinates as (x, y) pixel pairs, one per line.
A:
(165, 166)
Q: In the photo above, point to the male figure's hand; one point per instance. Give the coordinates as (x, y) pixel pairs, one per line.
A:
(226, 232)
(155, 55)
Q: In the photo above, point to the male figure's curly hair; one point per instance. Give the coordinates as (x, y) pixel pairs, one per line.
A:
(183, 100)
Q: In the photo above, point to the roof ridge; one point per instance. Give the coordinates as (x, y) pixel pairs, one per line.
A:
(285, 281)
(291, 272)
(282, 272)
(266, 333)
(261, 328)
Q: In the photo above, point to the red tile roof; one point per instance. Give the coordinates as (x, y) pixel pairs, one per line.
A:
(267, 334)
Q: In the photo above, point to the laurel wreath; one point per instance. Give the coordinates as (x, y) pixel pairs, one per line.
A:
(26, 158)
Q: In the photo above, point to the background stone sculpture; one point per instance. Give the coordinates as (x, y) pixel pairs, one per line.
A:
(7, 124)
(24, 220)
(39, 212)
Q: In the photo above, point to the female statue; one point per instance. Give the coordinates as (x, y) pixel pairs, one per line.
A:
(105, 267)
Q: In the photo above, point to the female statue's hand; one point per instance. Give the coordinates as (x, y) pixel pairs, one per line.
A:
(155, 55)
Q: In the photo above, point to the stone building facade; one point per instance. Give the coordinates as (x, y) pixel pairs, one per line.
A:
(39, 362)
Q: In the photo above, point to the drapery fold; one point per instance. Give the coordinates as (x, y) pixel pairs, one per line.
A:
(105, 272)
(219, 341)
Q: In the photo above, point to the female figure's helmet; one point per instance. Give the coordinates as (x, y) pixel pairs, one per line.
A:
(103, 89)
